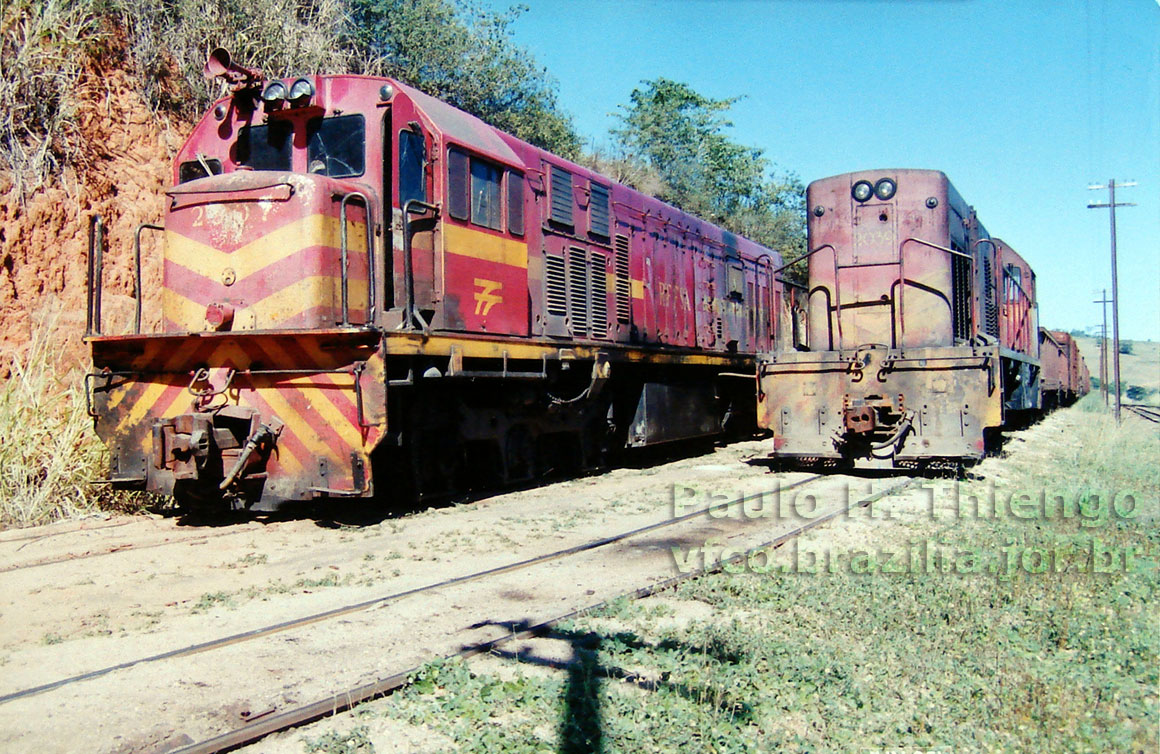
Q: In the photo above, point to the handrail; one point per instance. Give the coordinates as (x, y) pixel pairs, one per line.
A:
(768, 265)
(370, 251)
(139, 293)
(902, 278)
(412, 206)
(175, 192)
(95, 275)
(800, 257)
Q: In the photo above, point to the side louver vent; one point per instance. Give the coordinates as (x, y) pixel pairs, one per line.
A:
(623, 282)
(578, 291)
(598, 304)
(555, 287)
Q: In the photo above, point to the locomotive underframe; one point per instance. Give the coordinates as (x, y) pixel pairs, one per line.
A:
(883, 407)
(409, 415)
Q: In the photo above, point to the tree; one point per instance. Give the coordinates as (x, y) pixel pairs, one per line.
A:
(680, 135)
(465, 56)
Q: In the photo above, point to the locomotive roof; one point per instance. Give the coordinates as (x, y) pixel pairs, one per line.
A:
(459, 125)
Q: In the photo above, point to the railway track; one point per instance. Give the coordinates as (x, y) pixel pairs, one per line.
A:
(1151, 413)
(307, 620)
(443, 616)
(349, 698)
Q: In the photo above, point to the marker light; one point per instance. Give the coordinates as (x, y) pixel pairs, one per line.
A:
(819, 211)
(275, 91)
(386, 91)
(932, 202)
(885, 189)
(300, 92)
(862, 191)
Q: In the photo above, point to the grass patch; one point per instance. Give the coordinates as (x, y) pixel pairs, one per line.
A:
(352, 742)
(49, 455)
(964, 655)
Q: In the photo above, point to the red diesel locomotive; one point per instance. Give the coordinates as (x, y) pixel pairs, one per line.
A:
(922, 332)
(366, 289)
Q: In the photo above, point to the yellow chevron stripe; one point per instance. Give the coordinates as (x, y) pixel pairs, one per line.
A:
(272, 247)
(295, 423)
(277, 307)
(144, 405)
(479, 245)
(349, 433)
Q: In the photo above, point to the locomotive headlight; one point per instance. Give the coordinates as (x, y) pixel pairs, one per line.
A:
(274, 91)
(862, 191)
(885, 189)
(300, 92)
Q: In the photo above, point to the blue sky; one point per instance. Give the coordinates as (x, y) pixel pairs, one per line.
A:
(1022, 104)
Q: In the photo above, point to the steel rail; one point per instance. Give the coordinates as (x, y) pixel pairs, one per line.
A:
(194, 538)
(1151, 413)
(81, 528)
(293, 623)
(345, 700)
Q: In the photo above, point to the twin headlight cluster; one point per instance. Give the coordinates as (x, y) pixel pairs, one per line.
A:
(884, 189)
(298, 93)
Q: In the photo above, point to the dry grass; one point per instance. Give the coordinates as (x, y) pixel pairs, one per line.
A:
(43, 47)
(49, 455)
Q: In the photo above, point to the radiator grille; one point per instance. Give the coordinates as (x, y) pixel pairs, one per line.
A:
(578, 291)
(961, 297)
(990, 305)
(555, 287)
(623, 283)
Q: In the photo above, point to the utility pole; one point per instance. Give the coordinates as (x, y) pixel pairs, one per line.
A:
(1104, 300)
(1111, 205)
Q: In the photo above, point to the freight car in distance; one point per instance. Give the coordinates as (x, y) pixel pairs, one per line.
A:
(922, 335)
(1065, 378)
(367, 290)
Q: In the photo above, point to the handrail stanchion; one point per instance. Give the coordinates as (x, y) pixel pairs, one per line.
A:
(96, 273)
(138, 293)
(370, 252)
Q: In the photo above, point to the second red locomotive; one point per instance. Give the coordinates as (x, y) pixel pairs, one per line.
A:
(922, 333)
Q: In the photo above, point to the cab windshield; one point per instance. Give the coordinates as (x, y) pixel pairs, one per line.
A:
(335, 147)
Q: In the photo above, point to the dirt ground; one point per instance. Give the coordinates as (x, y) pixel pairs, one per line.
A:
(896, 520)
(81, 596)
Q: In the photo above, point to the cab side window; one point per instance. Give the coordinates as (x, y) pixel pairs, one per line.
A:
(485, 195)
(515, 203)
(474, 191)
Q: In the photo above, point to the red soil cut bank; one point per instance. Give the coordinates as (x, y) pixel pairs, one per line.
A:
(44, 240)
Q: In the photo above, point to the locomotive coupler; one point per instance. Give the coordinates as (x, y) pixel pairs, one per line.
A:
(263, 436)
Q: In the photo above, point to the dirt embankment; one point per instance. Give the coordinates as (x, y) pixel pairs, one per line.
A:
(44, 239)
